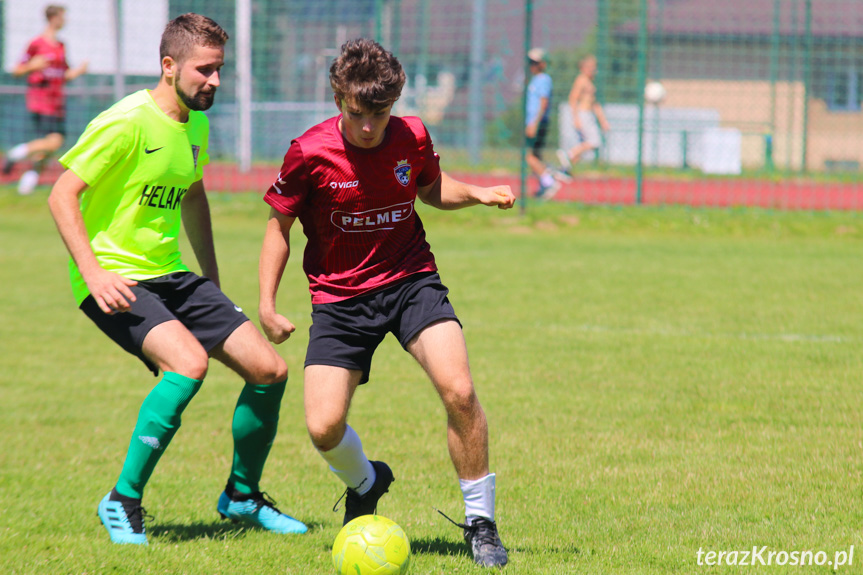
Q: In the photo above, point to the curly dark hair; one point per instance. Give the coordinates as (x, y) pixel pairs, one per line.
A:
(367, 74)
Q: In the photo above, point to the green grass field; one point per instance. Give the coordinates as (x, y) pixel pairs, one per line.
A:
(658, 381)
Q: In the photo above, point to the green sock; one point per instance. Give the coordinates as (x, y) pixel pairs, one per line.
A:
(158, 421)
(256, 420)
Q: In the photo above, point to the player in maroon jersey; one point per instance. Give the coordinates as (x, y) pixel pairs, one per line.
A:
(352, 181)
(44, 64)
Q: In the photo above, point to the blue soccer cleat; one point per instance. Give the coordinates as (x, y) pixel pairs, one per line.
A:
(125, 524)
(256, 509)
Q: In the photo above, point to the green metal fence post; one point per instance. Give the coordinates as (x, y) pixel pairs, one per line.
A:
(603, 64)
(774, 74)
(656, 63)
(642, 79)
(792, 77)
(807, 85)
(684, 144)
(528, 40)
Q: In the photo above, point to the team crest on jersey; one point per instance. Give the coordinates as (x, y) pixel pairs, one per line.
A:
(403, 172)
(195, 150)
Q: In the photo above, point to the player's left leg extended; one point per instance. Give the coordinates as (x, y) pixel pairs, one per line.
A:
(40, 151)
(327, 396)
(255, 424)
(440, 349)
(171, 348)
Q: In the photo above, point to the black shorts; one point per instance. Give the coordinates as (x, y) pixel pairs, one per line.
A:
(346, 333)
(193, 300)
(41, 125)
(537, 143)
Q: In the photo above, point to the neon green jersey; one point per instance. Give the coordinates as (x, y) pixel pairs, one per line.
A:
(138, 164)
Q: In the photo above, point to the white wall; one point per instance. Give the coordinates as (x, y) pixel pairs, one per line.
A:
(89, 33)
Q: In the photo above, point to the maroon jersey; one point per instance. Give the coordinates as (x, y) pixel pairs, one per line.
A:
(45, 87)
(356, 206)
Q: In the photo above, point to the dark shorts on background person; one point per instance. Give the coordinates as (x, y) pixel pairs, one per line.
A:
(41, 125)
(537, 143)
(346, 333)
(193, 300)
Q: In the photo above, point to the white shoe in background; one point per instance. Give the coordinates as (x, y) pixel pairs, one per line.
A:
(28, 182)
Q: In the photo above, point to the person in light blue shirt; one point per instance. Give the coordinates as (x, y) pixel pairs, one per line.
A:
(536, 122)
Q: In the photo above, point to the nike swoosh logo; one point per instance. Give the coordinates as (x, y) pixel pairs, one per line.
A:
(146, 151)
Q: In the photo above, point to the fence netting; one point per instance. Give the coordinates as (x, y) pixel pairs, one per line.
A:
(738, 102)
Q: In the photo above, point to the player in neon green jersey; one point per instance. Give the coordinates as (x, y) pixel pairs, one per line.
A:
(132, 178)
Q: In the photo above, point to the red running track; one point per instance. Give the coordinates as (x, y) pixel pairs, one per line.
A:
(785, 195)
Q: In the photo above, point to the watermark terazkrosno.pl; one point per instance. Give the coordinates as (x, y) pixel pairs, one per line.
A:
(765, 556)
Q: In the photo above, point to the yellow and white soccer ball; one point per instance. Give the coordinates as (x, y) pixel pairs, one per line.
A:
(371, 545)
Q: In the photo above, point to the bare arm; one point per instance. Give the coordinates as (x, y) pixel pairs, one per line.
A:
(199, 229)
(600, 116)
(110, 290)
(34, 64)
(447, 193)
(274, 256)
(533, 126)
(73, 73)
(575, 96)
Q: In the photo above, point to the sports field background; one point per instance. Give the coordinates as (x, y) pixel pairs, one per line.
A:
(657, 381)
(762, 106)
(660, 379)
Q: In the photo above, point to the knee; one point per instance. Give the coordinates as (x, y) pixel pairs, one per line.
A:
(461, 401)
(193, 364)
(273, 370)
(325, 434)
(276, 372)
(197, 369)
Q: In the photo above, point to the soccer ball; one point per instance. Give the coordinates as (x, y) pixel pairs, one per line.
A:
(371, 545)
(654, 92)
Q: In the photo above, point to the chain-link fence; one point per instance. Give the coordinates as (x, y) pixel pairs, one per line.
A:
(750, 102)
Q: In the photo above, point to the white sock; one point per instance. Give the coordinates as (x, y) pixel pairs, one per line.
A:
(28, 182)
(478, 497)
(350, 464)
(17, 153)
(546, 180)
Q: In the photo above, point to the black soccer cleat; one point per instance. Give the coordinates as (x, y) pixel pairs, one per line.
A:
(485, 544)
(357, 505)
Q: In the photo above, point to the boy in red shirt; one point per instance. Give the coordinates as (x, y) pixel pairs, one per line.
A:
(44, 64)
(352, 182)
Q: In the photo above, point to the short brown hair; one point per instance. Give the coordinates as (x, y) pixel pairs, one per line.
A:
(53, 10)
(367, 74)
(184, 32)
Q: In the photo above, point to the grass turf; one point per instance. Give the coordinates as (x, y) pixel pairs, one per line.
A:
(657, 381)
